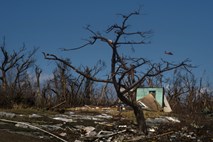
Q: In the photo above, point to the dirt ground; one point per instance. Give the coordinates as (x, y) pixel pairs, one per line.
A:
(6, 136)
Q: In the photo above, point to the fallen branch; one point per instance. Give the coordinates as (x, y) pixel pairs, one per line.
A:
(31, 126)
(160, 135)
(58, 105)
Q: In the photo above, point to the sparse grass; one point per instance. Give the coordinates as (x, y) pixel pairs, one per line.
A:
(92, 109)
(154, 114)
(128, 114)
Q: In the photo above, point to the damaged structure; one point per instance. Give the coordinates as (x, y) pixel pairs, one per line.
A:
(153, 99)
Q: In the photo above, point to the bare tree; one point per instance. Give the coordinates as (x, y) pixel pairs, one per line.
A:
(17, 62)
(176, 88)
(61, 77)
(127, 73)
(8, 62)
(188, 94)
(38, 72)
(88, 83)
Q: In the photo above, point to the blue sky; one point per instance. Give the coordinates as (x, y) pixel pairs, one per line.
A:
(183, 27)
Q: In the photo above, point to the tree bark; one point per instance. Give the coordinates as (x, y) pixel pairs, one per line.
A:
(4, 81)
(139, 115)
(38, 72)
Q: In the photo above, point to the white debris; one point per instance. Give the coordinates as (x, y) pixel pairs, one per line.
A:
(85, 117)
(162, 119)
(122, 126)
(7, 114)
(41, 137)
(173, 119)
(106, 116)
(24, 125)
(167, 107)
(91, 134)
(151, 130)
(63, 134)
(69, 113)
(156, 120)
(63, 119)
(34, 116)
(88, 130)
(52, 127)
(103, 133)
(21, 125)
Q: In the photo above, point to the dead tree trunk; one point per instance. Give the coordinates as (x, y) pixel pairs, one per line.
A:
(140, 119)
(138, 111)
(4, 81)
(38, 72)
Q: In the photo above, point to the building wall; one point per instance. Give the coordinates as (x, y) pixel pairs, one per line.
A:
(141, 92)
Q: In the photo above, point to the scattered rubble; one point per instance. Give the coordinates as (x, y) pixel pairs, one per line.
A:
(92, 127)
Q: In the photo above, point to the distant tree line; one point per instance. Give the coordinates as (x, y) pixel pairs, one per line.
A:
(22, 87)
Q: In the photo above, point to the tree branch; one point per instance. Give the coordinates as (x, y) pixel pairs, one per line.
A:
(54, 57)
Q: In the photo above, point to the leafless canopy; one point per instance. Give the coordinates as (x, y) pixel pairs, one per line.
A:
(17, 61)
(127, 73)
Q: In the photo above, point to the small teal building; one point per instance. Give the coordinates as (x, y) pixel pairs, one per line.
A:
(158, 94)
